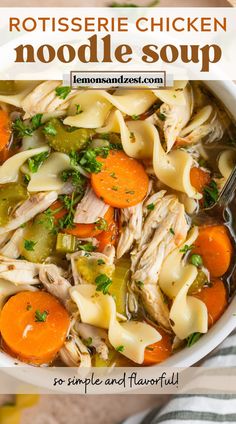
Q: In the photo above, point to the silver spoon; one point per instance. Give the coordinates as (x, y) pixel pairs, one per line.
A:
(220, 209)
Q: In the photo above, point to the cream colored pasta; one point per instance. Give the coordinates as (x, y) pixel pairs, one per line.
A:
(187, 314)
(227, 162)
(9, 171)
(94, 106)
(100, 310)
(48, 177)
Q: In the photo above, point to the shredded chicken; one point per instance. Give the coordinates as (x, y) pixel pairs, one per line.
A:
(74, 353)
(90, 209)
(211, 130)
(175, 117)
(29, 209)
(18, 271)
(165, 228)
(51, 277)
(95, 337)
(131, 224)
(12, 248)
(44, 99)
(131, 220)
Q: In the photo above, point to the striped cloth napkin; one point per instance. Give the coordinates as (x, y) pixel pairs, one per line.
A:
(198, 409)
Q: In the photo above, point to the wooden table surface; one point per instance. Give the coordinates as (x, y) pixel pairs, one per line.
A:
(58, 409)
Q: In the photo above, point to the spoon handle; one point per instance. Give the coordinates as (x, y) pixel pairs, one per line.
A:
(228, 190)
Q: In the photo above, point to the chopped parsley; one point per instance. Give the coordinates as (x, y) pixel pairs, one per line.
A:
(22, 129)
(120, 348)
(113, 175)
(140, 284)
(36, 161)
(88, 341)
(101, 262)
(103, 282)
(29, 245)
(28, 307)
(63, 92)
(151, 207)
(50, 129)
(186, 248)
(172, 231)
(88, 159)
(135, 117)
(193, 338)
(78, 109)
(210, 194)
(129, 192)
(196, 260)
(26, 178)
(161, 116)
(36, 121)
(40, 316)
(101, 224)
(75, 176)
(114, 188)
(88, 247)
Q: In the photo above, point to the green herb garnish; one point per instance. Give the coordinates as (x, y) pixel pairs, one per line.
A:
(135, 117)
(63, 92)
(101, 262)
(78, 109)
(40, 316)
(172, 231)
(193, 338)
(103, 282)
(151, 207)
(161, 116)
(50, 129)
(36, 161)
(29, 245)
(210, 194)
(101, 224)
(120, 348)
(186, 248)
(140, 284)
(88, 247)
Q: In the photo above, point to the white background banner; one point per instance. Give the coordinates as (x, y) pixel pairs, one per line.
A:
(46, 43)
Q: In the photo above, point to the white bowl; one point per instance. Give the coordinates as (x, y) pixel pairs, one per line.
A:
(226, 92)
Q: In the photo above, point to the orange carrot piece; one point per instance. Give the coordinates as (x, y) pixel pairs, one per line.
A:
(108, 237)
(5, 131)
(90, 230)
(215, 247)
(24, 335)
(159, 351)
(122, 181)
(215, 299)
(199, 178)
(81, 230)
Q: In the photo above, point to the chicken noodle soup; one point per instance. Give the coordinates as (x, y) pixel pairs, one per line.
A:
(104, 259)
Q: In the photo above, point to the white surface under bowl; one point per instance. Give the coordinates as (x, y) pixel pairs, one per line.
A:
(226, 92)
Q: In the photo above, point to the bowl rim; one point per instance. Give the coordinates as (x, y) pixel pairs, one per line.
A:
(226, 91)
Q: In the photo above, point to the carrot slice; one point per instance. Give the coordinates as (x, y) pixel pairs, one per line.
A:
(81, 230)
(215, 299)
(90, 230)
(108, 237)
(199, 178)
(34, 326)
(159, 351)
(122, 181)
(214, 245)
(5, 131)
